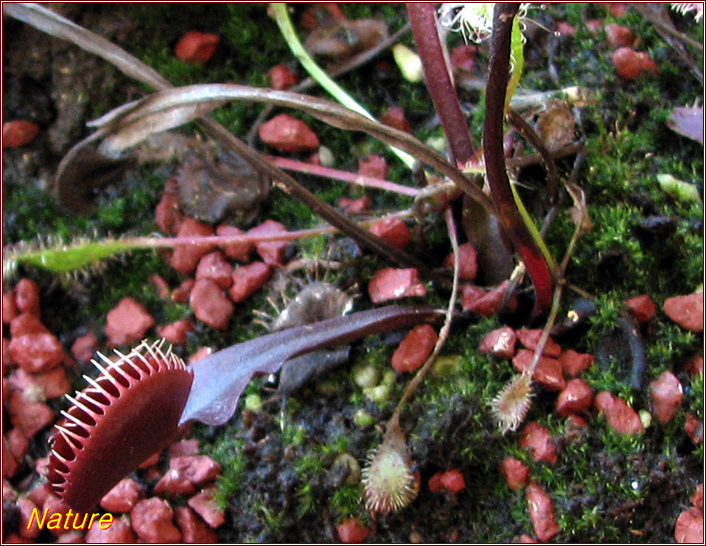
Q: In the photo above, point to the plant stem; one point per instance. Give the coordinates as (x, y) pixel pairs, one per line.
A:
(493, 153)
(422, 16)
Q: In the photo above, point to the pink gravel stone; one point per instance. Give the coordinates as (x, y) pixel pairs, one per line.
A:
(27, 297)
(127, 323)
(188, 473)
(530, 339)
(695, 365)
(123, 497)
(248, 279)
(288, 134)
(548, 372)
(71, 537)
(453, 480)
(697, 499)
(196, 47)
(689, 528)
(17, 444)
(241, 251)
(687, 311)
(119, 532)
(51, 384)
(694, 428)
(26, 323)
(215, 267)
(10, 465)
(160, 285)
(577, 397)
(468, 262)
(152, 521)
(176, 331)
(516, 473)
(395, 117)
(18, 132)
(184, 448)
(541, 512)
(36, 353)
(619, 36)
(394, 231)
(373, 165)
(185, 258)
(26, 507)
(464, 58)
(84, 347)
(30, 417)
(281, 77)
(193, 529)
(667, 394)
(537, 440)
(488, 304)
(499, 343)
(355, 206)
(168, 216)
(642, 308)
(630, 64)
(392, 284)
(573, 363)
(205, 506)
(210, 304)
(271, 252)
(621, 417)
(352, 531)
(414, 349)
(54, 505)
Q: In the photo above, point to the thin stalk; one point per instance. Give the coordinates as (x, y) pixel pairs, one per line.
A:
(422, 16)
(494, 156)
(281, 15)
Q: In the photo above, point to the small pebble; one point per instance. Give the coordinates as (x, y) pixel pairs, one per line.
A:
(176, 332)
(215, 267)
(666, 394)
(185, 258)
(689, 528)
(468, 262)
(577, 397)
(205, 506)
(282, 77)
(499, 343)
(393, 231)
(119, 532)
(182, 292)
(516, 473)
(687, 311)
(248, 279)
(642, 308)
(530, 339)
(123, 496)
(573, 363)
(36, 353)
(414, 349)
(210, 304)
(127, 323)
(395, 117)
(352, 531)
(168, 215)
(239, 252)
(193, 529)
(548, 372)
(541, 512)
(27, 297)
(619, 36)
(152, 520)
(30, 417)
(390, 284)
(374, 166)
(621, 417)
(196, 47)
(271, 252)
(537, 440)
(630, 64)
(18, 133)
(287, 134)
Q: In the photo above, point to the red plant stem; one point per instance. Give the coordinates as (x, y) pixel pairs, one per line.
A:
(494, 156)
(336, 174)
(422, 16)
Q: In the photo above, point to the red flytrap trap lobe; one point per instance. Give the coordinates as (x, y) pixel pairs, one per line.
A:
(137, 404)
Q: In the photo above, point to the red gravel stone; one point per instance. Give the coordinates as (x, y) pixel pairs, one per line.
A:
(54, 505)
(9, 307)
(697, 498)
(84, 347)
(621, 417)
(152, 521)
(17, 444)
(71, 537)
(210, 304)
(488, 303)
(619, 36)
(373, 165)
(168, 215)
(26, 323)
(185, 258)
(215, 267)
(530, 339)
(248, 279)
(176, 331)
(573, 363)
(394, 231)
(51, 384)
(36, 353)
(541, 512)
(395, 117)
(392, 284)
(119, 532)
(453, 480)
(414, 349)
(123, 497)
(181, 293)
(642, 308)
(499, 343)
(127, 323)
(667, 394)
(160, 285)
(193, 529)
(695, 365)
(352, 531)
(205, 506)
(271, 252)
(525, 539)
(687, 311)
(537, 440)
(18, 133)
(288, 134)
(548, 372)
(184, 448)
(577, 397)
(188, 473)
(196, 47)
(30, 417)
(694, 428)
(27, 297)
(281, 77)
(516, 473)
(355, 206)
(689, 528)
(8, 493)
(10, 465)
(468, 262)
(630, 64)
(26, 507)
(240, 252)
(464, 57)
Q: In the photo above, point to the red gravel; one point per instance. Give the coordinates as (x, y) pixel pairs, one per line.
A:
(210, 304)
(391, 284)
(530, 339)
(27, 297)
(548, 372)
(185, 258)
(394, 231)
(577, 397)
(152, 520)
(248, 279)
(123, 497)
(537, 440)
(196, 47)
(666, 394)
(18, 133)
(352, 531)
(176, 331)
(630, 64)
(642, 308)
(204, 505)
(193, 529)
(541, 512)
(468, 262)
(621, 417)
(573, 363)
(271, 252)
(499, 343)
(288, 134)
(127, 323)
(373, 165)
(239, 252)
(414, 349)
(687, 311)
(516, 473)
(282, 77)
(215, 267)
